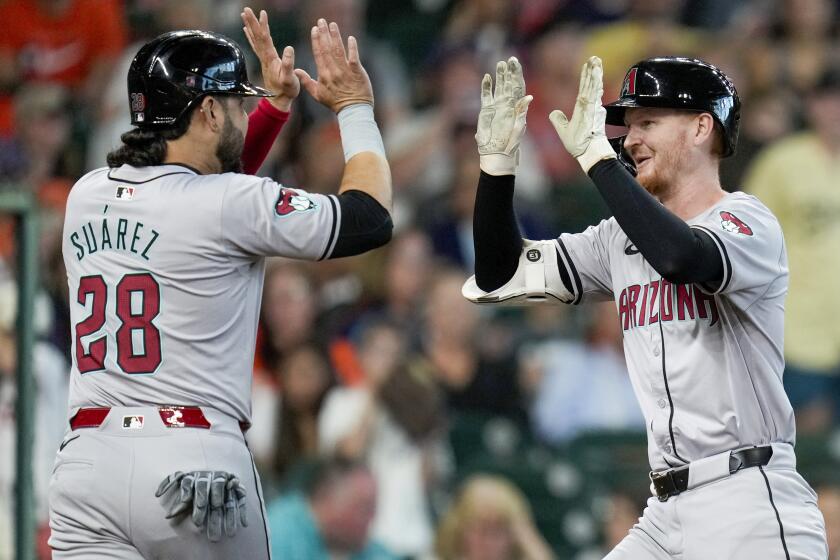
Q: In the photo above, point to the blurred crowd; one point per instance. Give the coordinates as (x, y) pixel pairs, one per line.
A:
(391, 417)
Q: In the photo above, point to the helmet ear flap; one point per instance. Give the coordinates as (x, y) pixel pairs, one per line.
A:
(617, 143)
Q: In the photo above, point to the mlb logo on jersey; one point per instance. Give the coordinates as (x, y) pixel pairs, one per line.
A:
(133, 422)
(125, 193)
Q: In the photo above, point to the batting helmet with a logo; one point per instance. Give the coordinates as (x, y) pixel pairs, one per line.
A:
(174, 70)
(681, 83)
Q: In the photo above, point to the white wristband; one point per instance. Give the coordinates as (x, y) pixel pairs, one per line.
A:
(359, 132)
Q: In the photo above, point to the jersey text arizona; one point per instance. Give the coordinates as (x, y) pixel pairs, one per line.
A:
(641, 305)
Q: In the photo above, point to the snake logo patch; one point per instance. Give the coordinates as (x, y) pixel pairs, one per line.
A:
(290, 201)
(629, 86)
(733, 224)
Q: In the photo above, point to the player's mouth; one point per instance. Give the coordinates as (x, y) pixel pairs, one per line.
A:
(641, 161)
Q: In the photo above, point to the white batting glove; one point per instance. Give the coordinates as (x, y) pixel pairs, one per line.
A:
(501, 122)
(214, 499)
(584, 136)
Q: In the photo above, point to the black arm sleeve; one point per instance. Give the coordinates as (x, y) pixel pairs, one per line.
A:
(497, 240)
(365, 224)
(679, 253)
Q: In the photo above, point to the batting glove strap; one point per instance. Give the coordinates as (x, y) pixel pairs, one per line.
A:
(499, 164)
(599, 149)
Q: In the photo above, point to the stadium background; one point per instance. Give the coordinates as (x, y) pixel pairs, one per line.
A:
(537, 396)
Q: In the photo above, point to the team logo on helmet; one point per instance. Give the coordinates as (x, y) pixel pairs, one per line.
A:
(629, 86)
(731, 223)
(290, 201)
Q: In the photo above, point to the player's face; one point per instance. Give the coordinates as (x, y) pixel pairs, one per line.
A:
(657, 142)
(229, 150)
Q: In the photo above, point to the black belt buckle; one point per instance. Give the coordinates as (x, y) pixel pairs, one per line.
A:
(663, 484)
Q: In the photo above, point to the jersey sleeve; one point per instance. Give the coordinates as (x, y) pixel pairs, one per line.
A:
(752, 249)
(585, 257)
(263, 218)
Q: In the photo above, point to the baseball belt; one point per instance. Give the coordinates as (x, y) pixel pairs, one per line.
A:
(674, 481)
(171, 416)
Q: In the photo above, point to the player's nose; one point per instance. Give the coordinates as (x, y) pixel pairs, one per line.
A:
(632, 141)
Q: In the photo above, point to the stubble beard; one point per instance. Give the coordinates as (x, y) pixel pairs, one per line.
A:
(229, 150)
(662, 180)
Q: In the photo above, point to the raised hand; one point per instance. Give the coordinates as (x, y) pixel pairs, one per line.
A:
(342, 80)
(501, 121)
(584, 135)
(278, 73)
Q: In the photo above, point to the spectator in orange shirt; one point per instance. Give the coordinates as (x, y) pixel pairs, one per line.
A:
(70, 42)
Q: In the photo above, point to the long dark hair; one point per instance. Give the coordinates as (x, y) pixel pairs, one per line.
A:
(290, 448)
(142, 147)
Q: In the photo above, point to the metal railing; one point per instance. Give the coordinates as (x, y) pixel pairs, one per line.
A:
(24, 208)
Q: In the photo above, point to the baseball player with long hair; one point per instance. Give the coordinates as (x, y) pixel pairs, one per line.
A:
(698, 276)
(165, 254)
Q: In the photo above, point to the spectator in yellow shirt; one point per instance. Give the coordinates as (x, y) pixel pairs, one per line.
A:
(798, 178)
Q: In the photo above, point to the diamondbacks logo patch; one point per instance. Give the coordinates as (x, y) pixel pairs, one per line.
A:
(733, 224)
(125, 193)
(629, 86)
(290, 201)
(173, 417)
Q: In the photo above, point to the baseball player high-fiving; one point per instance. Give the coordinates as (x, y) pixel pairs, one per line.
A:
(164, 251)
(698, 276)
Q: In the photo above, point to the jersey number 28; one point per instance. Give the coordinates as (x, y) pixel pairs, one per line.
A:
(132, 319)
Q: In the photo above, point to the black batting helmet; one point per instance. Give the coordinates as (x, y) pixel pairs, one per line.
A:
(681, 83)
(174, 70)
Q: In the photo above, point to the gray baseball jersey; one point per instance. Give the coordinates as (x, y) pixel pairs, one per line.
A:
(706, 366)
(165, 270)
(705, 362)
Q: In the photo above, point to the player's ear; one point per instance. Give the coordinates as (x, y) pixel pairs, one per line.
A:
(211, 112)
(704, 128)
